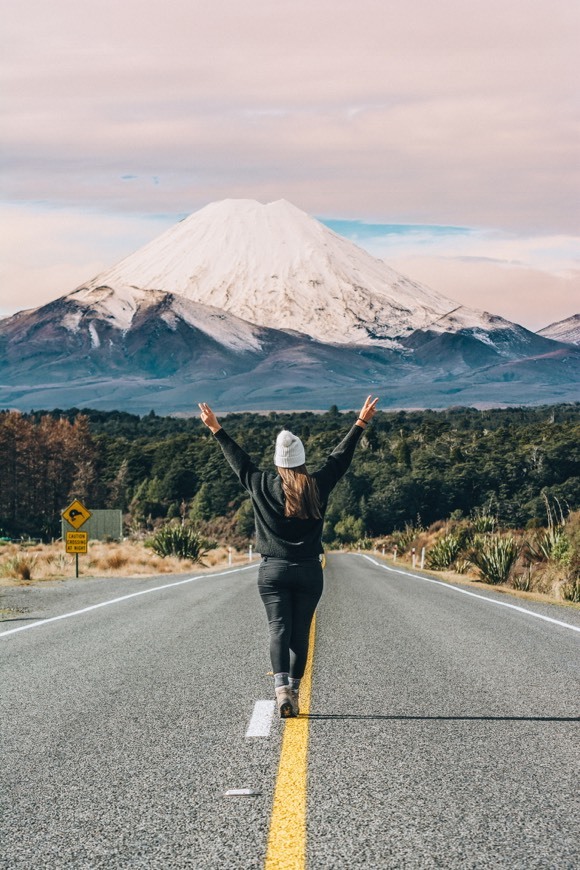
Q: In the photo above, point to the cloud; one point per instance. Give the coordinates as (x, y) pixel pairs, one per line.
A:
(532, 280)
(412, 112)
(557, 254)
(525, 295)
(47, 253)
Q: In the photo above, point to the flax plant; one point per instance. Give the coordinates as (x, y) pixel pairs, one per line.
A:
(495, 557)
(444, 552)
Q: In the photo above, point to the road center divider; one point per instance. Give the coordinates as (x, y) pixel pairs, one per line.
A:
(287, 837)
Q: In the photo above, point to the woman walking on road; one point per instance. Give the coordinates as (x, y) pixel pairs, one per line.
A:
(289, 511)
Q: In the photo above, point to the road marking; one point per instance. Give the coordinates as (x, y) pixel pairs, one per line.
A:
(261, 720)
(121, 598)
(287, 837)
(474, 594)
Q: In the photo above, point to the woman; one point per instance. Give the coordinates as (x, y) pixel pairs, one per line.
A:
(289, 511)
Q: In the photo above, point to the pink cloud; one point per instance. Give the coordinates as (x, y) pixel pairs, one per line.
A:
(446, 112)
(525, 295)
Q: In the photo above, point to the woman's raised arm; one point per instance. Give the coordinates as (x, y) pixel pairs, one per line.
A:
(339, 460)
(249, 474)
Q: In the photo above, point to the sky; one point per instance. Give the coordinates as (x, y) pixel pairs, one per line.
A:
(442, 136)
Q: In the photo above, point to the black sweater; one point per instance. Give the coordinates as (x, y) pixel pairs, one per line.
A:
(276, 535)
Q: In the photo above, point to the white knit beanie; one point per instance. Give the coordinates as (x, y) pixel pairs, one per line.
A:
(289, 450)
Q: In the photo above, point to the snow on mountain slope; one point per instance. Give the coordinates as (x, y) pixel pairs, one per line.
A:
(567, 330)
(118, 307)
(276, 266)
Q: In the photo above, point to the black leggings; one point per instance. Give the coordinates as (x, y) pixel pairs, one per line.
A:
(290, 592)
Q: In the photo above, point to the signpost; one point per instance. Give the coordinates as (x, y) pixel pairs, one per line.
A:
(76, 514)
(76, 542)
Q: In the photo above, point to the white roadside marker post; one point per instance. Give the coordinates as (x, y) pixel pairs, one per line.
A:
(394, 554)
(413, 557)
(383, 549)
(230, 556)
(250, 554)
(422, 558)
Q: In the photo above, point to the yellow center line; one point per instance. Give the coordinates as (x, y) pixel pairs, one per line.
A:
(287, 837)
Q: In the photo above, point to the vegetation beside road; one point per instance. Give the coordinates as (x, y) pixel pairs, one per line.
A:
(22, 563)
(490, 493)
(536, 563)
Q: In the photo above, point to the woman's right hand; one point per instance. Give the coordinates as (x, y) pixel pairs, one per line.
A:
(368, 410)
(208, 417)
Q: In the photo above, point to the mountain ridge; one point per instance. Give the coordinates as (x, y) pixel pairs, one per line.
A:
(567, 330)
(115, 340)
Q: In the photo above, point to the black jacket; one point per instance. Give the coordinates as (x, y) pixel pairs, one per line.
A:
(276, 535)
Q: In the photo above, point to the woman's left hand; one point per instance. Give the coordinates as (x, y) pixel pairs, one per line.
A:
(208, 417)
(368, 411)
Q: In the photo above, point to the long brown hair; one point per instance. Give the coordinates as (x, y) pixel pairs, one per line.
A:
(302, 495)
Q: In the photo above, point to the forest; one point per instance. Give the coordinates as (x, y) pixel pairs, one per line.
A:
(412, 467)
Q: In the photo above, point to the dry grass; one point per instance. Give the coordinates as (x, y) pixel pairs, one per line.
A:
(40, 562)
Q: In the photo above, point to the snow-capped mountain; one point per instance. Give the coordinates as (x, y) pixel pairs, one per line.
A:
(567, 330)
(149, 331)
(120, 307)
(257, 306)
(276, 266)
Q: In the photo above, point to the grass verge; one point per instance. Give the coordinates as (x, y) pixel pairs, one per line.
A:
(23, 566)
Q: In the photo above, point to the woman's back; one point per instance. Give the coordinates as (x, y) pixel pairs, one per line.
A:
(278, 535)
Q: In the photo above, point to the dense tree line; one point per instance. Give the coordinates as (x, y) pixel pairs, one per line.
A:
(44, 462)
(421, 464)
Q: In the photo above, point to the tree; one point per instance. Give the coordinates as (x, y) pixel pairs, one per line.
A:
(245, 523)
(119, 487)
(349, 530)
(202, 506)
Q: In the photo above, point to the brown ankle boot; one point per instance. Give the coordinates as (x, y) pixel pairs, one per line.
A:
(295, 701)
(284, 701)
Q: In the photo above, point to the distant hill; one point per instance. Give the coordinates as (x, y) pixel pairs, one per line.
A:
(567, 330)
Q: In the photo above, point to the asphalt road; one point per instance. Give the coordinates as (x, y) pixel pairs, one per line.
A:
(444, 728)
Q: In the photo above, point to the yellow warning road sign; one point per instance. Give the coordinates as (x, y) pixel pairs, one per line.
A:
(76, 542)
(76, 514)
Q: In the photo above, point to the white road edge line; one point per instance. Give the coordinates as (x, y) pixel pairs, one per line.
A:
(121, 598)
(473, 594)
(261, 721)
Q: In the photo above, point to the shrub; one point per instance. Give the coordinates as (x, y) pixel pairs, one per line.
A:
(181, 541)
(524, 581)
(444, 552)
(116, 560)
(562, 551)
(19, 566)
(571, 590)
(404, 539)
(483, 522)
(495, 557)
(549, 544)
